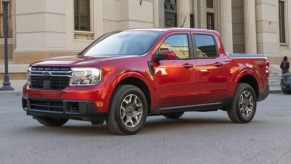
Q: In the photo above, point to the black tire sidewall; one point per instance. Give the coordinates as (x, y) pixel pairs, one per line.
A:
(241, 88)
(118, 97)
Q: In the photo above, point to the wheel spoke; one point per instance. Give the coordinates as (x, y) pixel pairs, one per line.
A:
(122, 113)
(246, 103)
(131, 110)
(241, 99)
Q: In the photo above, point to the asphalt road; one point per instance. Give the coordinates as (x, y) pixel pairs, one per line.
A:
(196, 138)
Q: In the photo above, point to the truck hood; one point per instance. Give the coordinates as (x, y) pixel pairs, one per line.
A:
(82, 61)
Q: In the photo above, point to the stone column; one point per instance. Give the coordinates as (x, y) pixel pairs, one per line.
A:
(159, 17)
(250, 26)
(202, 22)
(183, 11)
(226, 24)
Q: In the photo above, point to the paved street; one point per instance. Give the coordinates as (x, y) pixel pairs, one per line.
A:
(196, 138)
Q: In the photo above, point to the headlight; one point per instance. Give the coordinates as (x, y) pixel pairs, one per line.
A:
(85, 76)
(28, 75)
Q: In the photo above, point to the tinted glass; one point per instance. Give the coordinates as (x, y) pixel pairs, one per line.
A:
(205, 46)
(124, 43)
(178, 44)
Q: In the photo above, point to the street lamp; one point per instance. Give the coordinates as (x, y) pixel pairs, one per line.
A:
(6, 83)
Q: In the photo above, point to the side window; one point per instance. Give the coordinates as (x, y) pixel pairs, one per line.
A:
(177, 43)
(205, 46)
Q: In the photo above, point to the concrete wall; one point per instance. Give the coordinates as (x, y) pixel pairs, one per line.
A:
(267, 26)
(45, 28)
(126, 14)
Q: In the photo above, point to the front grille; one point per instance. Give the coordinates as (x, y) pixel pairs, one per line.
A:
(46, 105)
(50, 78)
(55, 83)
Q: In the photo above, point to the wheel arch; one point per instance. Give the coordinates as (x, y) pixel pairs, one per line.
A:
(251, 80)
(137, 80)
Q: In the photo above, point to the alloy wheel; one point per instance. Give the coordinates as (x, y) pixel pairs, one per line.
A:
(246, 104)
(131, 110)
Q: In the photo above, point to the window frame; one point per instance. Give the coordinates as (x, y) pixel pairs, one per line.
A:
(213, 21)
(285, 19)
(190, 45)
(168, 11)
(195, 47)
(90, 18)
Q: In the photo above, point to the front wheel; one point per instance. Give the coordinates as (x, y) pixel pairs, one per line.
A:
(128, 110)
(244, 104)
(51, 121)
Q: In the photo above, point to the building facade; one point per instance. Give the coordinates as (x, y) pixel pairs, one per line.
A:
(47, 28)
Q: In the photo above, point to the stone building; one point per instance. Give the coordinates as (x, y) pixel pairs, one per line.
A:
(47, 28)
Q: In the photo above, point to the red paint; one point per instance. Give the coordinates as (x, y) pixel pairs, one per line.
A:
(175, 83)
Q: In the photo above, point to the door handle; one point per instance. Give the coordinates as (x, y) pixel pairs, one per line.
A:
(218, 64)
(188, 66)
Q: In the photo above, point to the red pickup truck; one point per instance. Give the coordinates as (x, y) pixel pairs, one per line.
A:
(123, 77)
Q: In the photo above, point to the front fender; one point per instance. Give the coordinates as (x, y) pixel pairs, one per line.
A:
(122, 76)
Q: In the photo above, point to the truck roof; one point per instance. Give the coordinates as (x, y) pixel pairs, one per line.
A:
(175, 30)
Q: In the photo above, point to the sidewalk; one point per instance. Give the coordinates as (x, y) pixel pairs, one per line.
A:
(18, 84)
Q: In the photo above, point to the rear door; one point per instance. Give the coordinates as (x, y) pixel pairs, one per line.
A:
(210, 70)
(174, 77)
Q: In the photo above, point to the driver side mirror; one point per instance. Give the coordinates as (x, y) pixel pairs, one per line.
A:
(165, 55)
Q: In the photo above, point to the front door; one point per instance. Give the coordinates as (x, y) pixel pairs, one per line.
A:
(174, 77)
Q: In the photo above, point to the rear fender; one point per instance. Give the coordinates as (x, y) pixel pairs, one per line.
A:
(245, 72)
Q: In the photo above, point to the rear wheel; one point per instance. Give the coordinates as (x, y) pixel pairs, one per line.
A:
(128, 110)
(174, 115)
(51, 121)
(244, 104)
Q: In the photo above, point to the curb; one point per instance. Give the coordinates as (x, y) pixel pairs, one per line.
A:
(10, 93)
(276, 92)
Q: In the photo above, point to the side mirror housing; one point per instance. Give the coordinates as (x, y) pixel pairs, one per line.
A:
(165, 55)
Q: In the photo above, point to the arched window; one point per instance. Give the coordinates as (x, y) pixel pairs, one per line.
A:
(170, 13)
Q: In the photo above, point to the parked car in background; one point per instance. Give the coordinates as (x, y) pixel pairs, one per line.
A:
(126, 76)
(286, 83)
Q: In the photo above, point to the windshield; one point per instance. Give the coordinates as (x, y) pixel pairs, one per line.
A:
(124, 43)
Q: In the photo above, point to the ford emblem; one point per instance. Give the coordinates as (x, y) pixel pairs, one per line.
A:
(46, 73)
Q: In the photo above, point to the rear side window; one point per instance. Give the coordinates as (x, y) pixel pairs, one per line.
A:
(205, 46)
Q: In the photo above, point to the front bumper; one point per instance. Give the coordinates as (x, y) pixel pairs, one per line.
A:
(57, 108)
(96, 94)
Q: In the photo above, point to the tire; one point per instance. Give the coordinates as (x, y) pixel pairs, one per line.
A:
(174, 115)
(128, 110)
(244, 104)
(51, 121)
